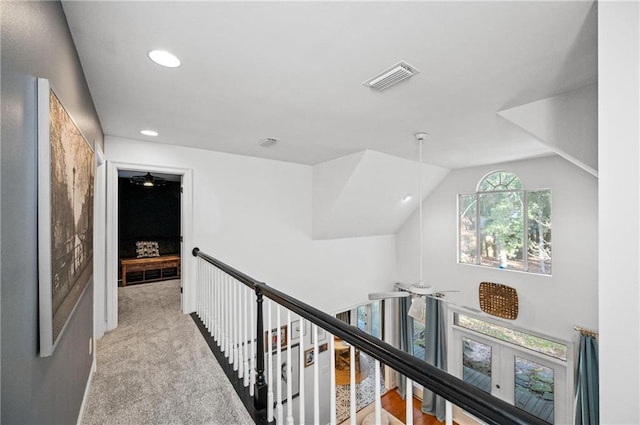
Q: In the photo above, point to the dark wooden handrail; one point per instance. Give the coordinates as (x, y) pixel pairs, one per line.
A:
(470, 398)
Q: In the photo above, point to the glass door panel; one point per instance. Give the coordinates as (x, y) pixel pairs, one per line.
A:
(534, 388)
(363, 318)
(376, 319)
(532, 381)
(476, 363)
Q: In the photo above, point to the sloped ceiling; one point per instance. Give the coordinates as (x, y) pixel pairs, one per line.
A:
(362, 194)
(566, 123)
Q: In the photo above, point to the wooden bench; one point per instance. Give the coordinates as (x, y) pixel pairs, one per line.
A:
(150, 263)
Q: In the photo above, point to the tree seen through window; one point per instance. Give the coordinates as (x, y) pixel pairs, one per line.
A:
(501, 225)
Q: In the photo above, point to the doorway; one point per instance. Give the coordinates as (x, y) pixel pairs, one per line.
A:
(149, 228)
(113, 275)
(523, 369)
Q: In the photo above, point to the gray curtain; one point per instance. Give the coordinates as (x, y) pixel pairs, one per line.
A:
(587, 383)
(435, 354)
(345, 316)
(405, 337)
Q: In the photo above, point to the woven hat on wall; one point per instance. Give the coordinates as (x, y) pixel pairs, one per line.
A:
(498, 300)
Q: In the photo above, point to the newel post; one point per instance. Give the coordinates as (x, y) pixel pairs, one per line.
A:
(260, 394)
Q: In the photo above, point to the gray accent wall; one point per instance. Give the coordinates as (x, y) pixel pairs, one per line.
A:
(36, 42)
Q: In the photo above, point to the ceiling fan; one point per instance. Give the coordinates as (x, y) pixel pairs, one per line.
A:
(419, 290)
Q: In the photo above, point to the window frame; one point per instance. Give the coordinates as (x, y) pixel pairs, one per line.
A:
(478, 231)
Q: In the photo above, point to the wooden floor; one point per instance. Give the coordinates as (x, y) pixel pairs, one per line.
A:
(394, 404)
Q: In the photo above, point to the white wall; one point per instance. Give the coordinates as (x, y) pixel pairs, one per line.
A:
(255, 215)
(548, 305)
(619, 209)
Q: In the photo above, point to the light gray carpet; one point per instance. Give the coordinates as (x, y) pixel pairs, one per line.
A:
(156, 368)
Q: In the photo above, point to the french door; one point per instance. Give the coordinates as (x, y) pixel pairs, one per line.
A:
(531, 381)
(369, 318)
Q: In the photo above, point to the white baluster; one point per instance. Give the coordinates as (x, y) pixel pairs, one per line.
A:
(409, 401)
(223, 313)
(230, 307)
(448, 409)
(301, 399)
(245, 364)
(224, 300)
(216, 280)
(207, 302)
(234, 323)
(332, 359)
(316, 378)
(228, 315)
(289, 377)
(277, 371)
(201, 287)
(252, 364)
(211, 285)
(198, 289)
(198, 267)
(219, 306)
(352, 385)
(269, 366)
(239, 309)
(378, 402)
(203, 298)
(233, 305)
(214, 304)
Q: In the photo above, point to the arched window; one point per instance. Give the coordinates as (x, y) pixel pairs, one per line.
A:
(502, 225)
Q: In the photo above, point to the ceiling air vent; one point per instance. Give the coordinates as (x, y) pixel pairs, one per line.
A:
(391, 76)
(269, 141)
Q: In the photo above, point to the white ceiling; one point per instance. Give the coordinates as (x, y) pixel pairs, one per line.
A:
(294, 71)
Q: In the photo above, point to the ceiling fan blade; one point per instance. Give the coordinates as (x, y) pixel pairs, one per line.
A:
(383, 295)
(440, 295)
(403, 286)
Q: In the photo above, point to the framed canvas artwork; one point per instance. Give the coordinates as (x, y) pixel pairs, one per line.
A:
(65, 216)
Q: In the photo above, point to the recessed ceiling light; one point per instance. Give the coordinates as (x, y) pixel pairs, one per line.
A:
(406, 198)
(149, 133)
(164, 58)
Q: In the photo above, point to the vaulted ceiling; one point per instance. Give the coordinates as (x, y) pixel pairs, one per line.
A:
(294, 71)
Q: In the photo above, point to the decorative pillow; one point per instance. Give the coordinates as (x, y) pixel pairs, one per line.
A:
(147, 249)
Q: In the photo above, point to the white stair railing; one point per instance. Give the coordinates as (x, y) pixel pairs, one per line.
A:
(234, 332)
(225, 304)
